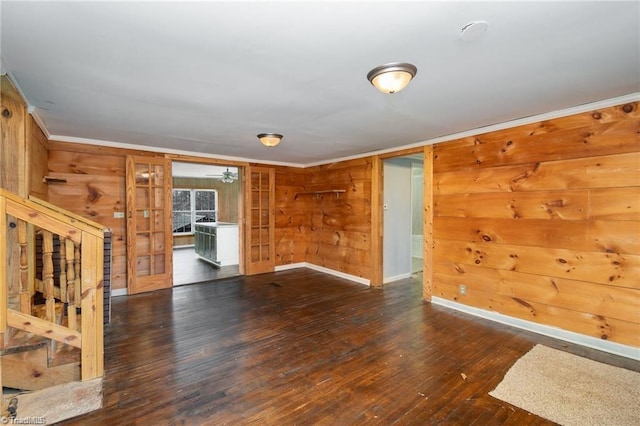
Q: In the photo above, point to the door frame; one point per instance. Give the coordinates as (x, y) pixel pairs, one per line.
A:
(377, 217)
(241, 166)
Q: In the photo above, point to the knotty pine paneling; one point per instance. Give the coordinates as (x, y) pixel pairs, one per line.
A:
(625, 332)
(340, 229)
(95, 189)
(595, 118)
(37, 157)
(291, 219)
(579, 173)
(608, 301)
(605, 204)
(595, 140)
(542, 222)
(325, 229)
(621, 270)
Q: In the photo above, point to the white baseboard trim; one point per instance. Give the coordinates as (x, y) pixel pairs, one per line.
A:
(291, 266)
(119, 292)
(333, 272)
(396, 278)
(546, 330)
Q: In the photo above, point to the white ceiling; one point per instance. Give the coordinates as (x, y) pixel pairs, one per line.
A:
(206, 77)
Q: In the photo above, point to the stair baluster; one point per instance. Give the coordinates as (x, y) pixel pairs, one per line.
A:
(71, 284)
(47, 275)
(25, 287)
(62, 278)
(78, 284)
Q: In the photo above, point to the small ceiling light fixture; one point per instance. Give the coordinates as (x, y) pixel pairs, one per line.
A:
(270, 139)
(228, 177)
(393, 77)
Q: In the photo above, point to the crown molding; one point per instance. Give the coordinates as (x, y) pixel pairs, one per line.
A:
(31, 109)
(39, 120)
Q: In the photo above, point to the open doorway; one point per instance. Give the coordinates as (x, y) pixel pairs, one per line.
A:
(403, 206)
(206, 203)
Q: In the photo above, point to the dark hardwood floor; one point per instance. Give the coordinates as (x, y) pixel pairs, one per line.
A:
(301, 347)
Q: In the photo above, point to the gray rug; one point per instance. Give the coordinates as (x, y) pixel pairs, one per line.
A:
(571, 390)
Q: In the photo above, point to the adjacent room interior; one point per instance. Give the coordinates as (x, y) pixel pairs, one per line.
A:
(205, 200)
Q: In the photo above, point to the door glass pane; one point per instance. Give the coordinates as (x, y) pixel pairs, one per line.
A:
(143, 266)
(158, 264)
(255, 199)
(142, 173)
(264, 199)
(142, 243)
(255, 253)
(264, 253)
(158, 198)
(142, 220)
(142, 198)
(158, 219)
(158, 242)
(158, 175)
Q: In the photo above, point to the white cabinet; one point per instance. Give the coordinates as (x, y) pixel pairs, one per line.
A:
(217, 243)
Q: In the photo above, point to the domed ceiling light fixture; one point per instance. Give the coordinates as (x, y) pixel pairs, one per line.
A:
(393, 77)
(270, 139)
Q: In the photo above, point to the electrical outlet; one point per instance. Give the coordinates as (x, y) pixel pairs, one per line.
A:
(462, 289)
(118, 215)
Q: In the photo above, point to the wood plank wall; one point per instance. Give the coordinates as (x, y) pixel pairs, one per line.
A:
(95, 189)
(291, 219)
(333, 231)
(542, 222)
(37, 158)
(13, 113)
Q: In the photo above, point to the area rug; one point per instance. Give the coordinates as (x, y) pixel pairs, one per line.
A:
(571, 390)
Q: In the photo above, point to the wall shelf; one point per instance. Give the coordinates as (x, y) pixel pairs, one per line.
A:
(50, 179)
(319, 193)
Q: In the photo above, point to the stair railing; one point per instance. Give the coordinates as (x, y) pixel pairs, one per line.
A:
(74, 279)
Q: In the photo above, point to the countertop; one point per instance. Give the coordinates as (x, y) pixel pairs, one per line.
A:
(217, 224)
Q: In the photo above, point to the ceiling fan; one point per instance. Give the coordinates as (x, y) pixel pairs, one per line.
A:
(226, 176)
